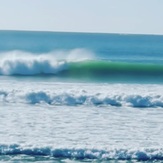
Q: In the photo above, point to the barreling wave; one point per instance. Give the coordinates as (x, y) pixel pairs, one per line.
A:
(76, 64)
(79, 99)
(84, 154)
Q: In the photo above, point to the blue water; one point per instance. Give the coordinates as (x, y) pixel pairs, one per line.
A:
(118, 47)
(80, 97)
(126, 57)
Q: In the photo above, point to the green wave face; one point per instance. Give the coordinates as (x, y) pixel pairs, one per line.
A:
(111, 71)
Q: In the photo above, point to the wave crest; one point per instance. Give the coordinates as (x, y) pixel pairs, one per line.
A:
(24, 63)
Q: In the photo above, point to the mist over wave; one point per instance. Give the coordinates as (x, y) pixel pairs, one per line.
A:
(25, 63)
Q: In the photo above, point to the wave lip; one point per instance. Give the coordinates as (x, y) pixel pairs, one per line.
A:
(81, 154)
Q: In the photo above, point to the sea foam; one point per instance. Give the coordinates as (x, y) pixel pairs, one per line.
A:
(81, 154)
(74, 97)
(25, 63)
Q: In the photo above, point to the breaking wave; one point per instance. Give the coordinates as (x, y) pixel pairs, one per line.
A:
(24, 63)
(76, 64)
(81, 154)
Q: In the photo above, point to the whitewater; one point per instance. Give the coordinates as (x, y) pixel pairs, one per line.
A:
(75, 97)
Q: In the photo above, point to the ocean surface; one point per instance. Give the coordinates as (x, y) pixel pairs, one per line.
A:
(81, 97)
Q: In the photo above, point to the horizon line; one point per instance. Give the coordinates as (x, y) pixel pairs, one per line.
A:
(89, 32)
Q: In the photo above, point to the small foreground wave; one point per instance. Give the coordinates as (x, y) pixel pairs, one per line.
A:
(73, 98)
(82, 154)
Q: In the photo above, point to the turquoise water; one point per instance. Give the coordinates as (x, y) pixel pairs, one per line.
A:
(80, 97)
(117, 47)
(100, 57)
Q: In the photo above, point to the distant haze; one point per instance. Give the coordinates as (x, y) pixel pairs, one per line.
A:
(105, 16)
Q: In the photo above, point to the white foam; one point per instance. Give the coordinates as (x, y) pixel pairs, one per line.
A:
(35, 124)
(81, 154)
(109, 95)
(25, 63)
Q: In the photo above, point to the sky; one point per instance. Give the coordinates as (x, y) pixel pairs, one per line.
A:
(104, 16)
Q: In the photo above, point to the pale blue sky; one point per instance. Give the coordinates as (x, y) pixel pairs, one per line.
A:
(108, 16)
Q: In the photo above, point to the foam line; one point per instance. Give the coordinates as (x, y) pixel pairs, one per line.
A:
(83, 98)
(81, 154)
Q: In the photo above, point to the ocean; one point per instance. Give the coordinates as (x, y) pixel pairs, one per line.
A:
(81, 97)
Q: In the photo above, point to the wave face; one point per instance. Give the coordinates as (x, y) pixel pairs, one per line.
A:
(76, 64)
(82, 154)
(116, 70)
